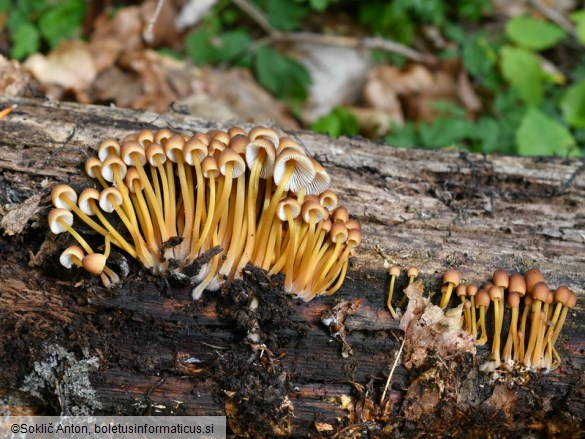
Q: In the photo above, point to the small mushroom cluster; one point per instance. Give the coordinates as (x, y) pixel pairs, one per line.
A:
(168, 198)
(537, 314)
(536, 318)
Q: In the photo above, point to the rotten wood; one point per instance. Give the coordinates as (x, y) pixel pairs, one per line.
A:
(430, 209)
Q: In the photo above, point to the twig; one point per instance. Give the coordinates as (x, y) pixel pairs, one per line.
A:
(554, 16)
(148, 34)
(275, 36)
(392, 371)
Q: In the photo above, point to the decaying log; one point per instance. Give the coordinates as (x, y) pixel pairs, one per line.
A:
(146, 348)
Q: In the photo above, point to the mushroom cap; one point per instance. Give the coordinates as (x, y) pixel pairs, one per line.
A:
(287, 142)
(517, 284)
(132, 180)
(107, 148)
(288, 204)
(354, 237)
(394, 270)
(261, 149)
(487, 285)
(174, 148)
(219, 136)
(145, 138)
(230, 157)
(84, 200)
(161, 136)
(338, 233)
(562, 294)
(202, 137)
(513, 299)
(303, 170)
(326, 225)
(235, 132)
(533, 276)
(550, 298)
(72, 255)
(501, 278)
(472, 290)
(540, 291)
(313, 207)
(528, 300)
(461, 290)
(131, 136)
(264, 133)
(62, 192)
(412, 272)
(57, 214)
(94, 263)
(109, 198)
(572, 300)
(209, 167)
(353, 224)
(238, 143)
(112, 165)
(215, 147)
(482, 298)
(328, 200)
(452, 276)
(496, 293)
(194, 151)
(132, 152)
(321, 181)
(93, 164)
(340, 215)
(155, 152)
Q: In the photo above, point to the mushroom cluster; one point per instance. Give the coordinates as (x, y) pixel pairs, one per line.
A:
(537, 315)
(168, 198)
(536, 318)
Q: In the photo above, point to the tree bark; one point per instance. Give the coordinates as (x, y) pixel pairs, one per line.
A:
(146, 348)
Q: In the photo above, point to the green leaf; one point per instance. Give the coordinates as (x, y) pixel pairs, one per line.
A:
(478, 56)
(62, 21)
(521, 68)
(25, 40)
(286, 78)
(534, 34)
(445, 132)
(319, 5)
(579, 20)
(338, 122)
(204, 46)
(404, 136)
(539, 134)
(286, 15)
(487, 135)
(573, 105)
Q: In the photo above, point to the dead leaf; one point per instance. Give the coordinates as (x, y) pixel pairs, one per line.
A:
(14, 81)
(334, 319)
(17, 216)
(428, 329)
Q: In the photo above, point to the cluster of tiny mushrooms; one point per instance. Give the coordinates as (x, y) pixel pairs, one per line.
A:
(167, 198)
(532, 333)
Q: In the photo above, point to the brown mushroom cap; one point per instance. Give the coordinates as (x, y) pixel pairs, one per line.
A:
(288, 204)
(94, 263)
(533, 276)
(338, 233)
(472, 290)
(412, 272)
(540, 291)
(501, 278)
(496, 293)
(461, 290)
(562, 295)
(513, 299)
(517, 284)
(340, 214)
(59, 214)
(482, 298)
(71, 255)
(452, 276)
(60, 192)
(394, 270)
(572, 300)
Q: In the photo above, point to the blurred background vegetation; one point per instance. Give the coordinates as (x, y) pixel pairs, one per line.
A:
(490, 76)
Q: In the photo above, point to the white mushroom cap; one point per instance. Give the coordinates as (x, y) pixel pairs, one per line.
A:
(60, 192)
(107, 148)
(321, 181)
(290, 204)
(145, 138)
(261, 148)
(194, 150)
(161, 136)
(264, 133)
(173, 147)
(155, 151)
(59, 214)
(109, 197)
(84, 197)
(303, 174)
(132, 151)
(230, 156)
(314, 207)
(93, 164)
(209, 167)
(72, 255)
(328, 200)
(111, 165)
(132, 180)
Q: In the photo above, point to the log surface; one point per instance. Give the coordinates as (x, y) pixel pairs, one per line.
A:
(430, 209)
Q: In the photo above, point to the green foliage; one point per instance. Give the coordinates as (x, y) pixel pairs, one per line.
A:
(534, 34)
(337, 123)
(539, 134)
(522, 69)
(573, 105)
(33, 23)
(579, 20)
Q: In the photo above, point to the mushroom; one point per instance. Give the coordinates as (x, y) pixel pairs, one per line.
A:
(482, 301)
(496, 294)
(539, 294)
(452, 278)
(71, 256)
(61, 220)
(64, 196)
(394, 272)
(471, 292)
(570, 300)
(516, 290)
(461, 292)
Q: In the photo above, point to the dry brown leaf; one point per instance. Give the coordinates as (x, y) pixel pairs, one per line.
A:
(428, 329)
(14, 81)
(334, 319)
(70, 66)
